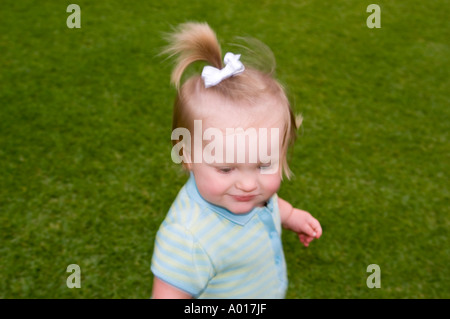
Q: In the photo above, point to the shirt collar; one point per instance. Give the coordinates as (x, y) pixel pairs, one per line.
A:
(240, 219)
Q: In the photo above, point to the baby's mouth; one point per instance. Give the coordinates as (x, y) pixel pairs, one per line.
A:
(243, 198)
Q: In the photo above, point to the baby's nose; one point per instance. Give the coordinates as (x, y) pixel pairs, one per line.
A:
(246, 184)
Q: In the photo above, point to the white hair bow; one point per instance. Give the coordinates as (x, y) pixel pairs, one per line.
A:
(213, 76)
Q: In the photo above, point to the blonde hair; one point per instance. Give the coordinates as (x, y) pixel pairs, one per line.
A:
(192, 42)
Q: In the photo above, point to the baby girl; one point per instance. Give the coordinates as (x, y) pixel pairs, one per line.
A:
(222, 235)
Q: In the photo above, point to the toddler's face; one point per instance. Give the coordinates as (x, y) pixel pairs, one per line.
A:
(240, 185)
(236, 187)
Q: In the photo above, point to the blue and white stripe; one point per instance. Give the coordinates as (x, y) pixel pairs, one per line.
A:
(210, 252)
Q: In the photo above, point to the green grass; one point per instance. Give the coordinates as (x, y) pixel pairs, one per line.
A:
(85, 122)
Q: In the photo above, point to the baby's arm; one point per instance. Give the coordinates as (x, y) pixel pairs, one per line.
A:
(299, 221)
(163, 290)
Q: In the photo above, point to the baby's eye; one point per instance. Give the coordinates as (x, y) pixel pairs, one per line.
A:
(264, 166)
(225, 170)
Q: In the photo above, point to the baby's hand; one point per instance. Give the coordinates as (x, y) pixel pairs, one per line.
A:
(306, 226)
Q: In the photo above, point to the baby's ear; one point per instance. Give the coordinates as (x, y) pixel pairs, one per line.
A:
(298, 120)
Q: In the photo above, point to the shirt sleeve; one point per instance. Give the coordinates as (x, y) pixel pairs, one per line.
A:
(179, 260)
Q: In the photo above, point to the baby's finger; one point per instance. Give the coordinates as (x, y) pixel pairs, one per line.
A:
(317, 229)
(305, 239)
(309, 230)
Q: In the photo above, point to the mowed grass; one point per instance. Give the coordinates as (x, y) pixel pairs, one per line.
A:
(85, 121)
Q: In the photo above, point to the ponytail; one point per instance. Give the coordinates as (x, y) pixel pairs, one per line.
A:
(192, 42)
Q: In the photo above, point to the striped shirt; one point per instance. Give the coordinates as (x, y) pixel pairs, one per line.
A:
(209, 252)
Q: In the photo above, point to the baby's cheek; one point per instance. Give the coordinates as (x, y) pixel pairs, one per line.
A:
(211, 189)
(273, 183)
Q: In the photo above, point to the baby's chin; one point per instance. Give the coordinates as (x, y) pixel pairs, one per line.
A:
(242, 208)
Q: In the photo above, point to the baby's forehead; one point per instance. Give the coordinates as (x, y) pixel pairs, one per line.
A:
(241, 115)
(239, 125)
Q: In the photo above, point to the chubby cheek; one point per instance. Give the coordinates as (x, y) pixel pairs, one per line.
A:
(211, 190)
(271, 183)
(209, 185)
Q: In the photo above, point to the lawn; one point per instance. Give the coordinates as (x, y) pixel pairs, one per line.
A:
(86, 175)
